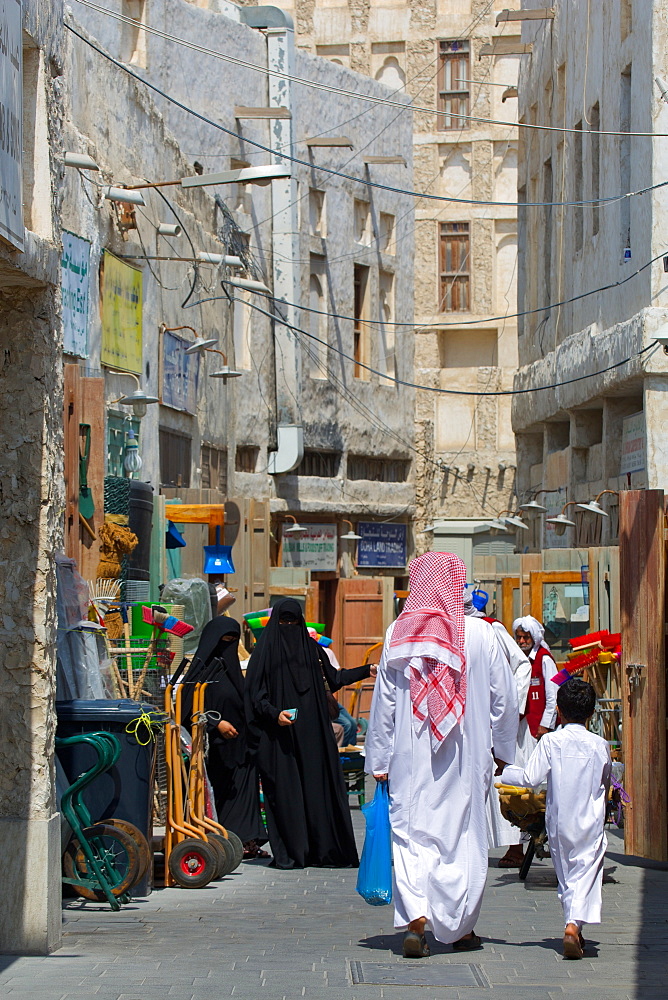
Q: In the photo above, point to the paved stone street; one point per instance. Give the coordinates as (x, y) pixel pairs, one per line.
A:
(267, 934)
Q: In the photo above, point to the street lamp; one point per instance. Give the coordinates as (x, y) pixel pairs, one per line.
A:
(295, 528)
(594, 506)
(138, 399)
(533, 505)
(496, 524)
(516, 521)
(248, 285)
(124, 195)
(349, 536)
(225, 372)
(560, 521)
(199, 345)
(219, 258)
(80, 160)
(202, 346)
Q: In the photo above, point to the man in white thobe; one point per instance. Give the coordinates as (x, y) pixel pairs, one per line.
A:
(577, 766)
(438, 790)
(500, 832)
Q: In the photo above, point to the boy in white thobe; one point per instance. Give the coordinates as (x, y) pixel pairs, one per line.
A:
(577, 766)
(438, 790)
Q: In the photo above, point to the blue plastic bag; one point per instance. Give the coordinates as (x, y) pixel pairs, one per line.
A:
(374, 878)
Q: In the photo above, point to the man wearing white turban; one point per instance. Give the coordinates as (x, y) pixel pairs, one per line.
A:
(444, 705)
(541, 708)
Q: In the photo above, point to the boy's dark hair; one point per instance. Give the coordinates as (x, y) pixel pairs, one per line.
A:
(576, 700)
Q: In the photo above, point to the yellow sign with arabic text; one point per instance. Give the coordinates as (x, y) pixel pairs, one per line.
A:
(121, 315)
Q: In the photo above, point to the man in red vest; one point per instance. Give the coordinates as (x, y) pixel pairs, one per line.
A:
(541, 704)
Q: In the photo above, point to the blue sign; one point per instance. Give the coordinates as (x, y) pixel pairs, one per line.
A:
(180, 374)
(381, 545)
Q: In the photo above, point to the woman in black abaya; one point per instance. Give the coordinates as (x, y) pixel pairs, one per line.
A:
(230, 765)
(305, 797)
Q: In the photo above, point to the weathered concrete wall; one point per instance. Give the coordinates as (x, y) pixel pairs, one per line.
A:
(244, 414)
(31, 506)
(579, 253)
(397, 43)
(130, 140)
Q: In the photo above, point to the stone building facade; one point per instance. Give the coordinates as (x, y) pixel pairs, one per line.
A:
(31, 496)
(308, 429)
(603, 427)
(465, 255)
(322, 242)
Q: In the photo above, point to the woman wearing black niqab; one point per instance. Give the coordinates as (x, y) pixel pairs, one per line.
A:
(230, 765)
(305, 797)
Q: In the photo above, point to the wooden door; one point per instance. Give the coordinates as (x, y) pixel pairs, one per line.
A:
(71, 422)
(560, 623)
(510, 585)
(257, 564)
(642, 566)
(93, 413)
(358, 624)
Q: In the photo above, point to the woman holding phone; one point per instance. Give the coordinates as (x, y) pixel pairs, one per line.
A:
(306, 802)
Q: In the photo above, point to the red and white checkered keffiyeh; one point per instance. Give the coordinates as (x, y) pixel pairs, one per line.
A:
(429, 635)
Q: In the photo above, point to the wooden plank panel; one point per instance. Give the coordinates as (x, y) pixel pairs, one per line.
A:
(537, 14)
(509, 584)
(93, 412)
(266, 113)
(196, 513)
(324, 141)
(71, 421)
(642, 564)
(615, 596)
(538, 580)
(258, 534)
(506, 47)
(358, 621)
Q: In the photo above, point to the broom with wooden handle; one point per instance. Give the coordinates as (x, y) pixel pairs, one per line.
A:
(128, 653)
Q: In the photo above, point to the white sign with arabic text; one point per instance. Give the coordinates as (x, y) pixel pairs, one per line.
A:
(316, 549)
(74, 270)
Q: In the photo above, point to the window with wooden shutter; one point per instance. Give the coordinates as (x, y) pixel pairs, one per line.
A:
(214, 468)
(378, 470)
(175, 458)
(453, 84)
(325, 464)
(246, 459)
(454, 266)
(360, 325)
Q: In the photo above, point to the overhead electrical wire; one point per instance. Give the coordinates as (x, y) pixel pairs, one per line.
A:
(436, 389)
(345, 393)
(333, 380)
(366, 181)
(372, 247)
(203, 50)
(457, 323)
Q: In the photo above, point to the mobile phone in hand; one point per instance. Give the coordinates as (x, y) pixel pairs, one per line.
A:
(291, 713)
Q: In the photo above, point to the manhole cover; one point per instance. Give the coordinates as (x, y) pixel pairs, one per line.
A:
(414, 974)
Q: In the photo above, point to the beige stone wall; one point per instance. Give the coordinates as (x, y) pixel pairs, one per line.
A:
(31, 508)
(478, 162)
(597, 348)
